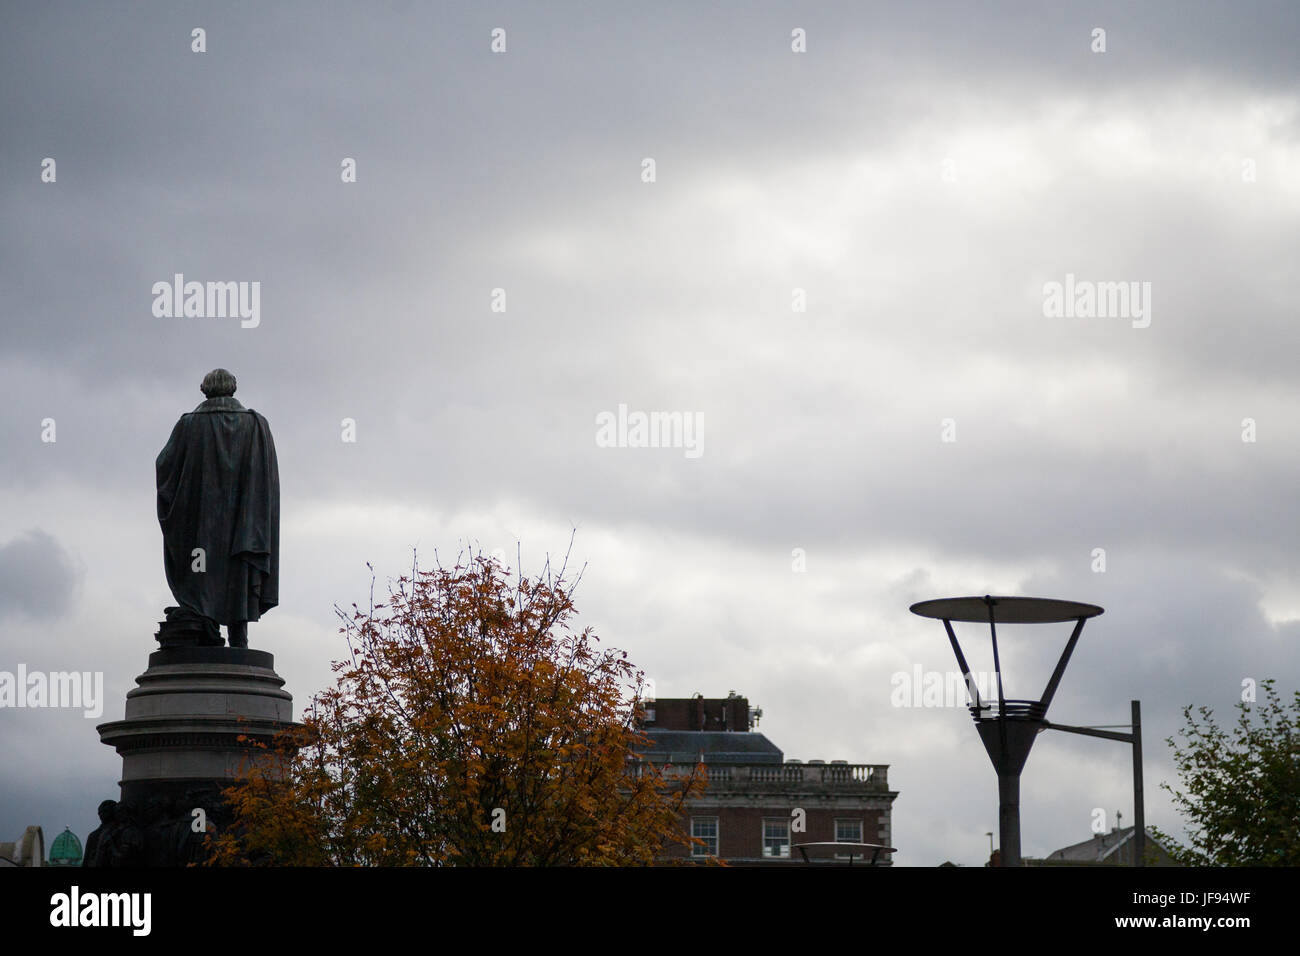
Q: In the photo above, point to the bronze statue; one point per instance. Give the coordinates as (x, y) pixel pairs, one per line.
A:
(219, 508)
(100, 839)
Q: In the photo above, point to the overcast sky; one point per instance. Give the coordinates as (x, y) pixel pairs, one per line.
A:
(920, 174)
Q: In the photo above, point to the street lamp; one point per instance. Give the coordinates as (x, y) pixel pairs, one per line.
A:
(1009, 727)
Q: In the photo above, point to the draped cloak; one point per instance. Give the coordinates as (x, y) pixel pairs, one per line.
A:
(219, 490)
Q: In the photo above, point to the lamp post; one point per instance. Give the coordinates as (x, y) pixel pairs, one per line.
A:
(1009, 727)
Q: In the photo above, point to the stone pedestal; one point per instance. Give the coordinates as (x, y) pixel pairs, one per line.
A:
(180, 747)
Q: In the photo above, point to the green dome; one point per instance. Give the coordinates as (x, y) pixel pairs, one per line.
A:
(66, 849)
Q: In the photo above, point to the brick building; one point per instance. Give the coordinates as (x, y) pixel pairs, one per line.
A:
(749, 815)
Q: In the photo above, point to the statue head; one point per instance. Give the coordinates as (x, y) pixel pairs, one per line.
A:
(218, 384)
(107, 810)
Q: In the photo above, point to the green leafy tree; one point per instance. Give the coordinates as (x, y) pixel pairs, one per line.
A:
(1240, 793)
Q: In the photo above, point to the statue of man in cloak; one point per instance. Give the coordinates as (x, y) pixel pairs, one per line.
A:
(219, 508)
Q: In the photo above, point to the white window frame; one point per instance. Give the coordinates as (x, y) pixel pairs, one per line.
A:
(784, 822)
(703, 852)
(862, 828)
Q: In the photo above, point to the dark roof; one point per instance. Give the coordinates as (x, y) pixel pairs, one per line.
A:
(1100, 847)
(718, 746)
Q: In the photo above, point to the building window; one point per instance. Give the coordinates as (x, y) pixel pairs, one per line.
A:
(706, 829)
(776, 837)
(848, 831)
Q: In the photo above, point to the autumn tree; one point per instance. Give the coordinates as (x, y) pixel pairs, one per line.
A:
(1240, 794)
(469, 725)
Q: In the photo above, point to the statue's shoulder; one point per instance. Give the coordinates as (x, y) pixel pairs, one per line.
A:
(225, 403)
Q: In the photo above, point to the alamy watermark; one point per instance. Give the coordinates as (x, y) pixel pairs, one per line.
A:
(626, 429)
(78, 689)
(919, 688)
(208, 300)
(1098, 300)
(128, 910)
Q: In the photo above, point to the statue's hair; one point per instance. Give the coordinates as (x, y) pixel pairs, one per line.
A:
(218, 383)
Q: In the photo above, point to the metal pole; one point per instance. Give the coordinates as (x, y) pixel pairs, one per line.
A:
(965, 668)
(1055, 680)
(1008, 785)
(1139, 822)
(1009, 818)
(997, 662)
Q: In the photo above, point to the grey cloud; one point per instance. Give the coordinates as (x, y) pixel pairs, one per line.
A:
(38, 577)
(821, 428)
